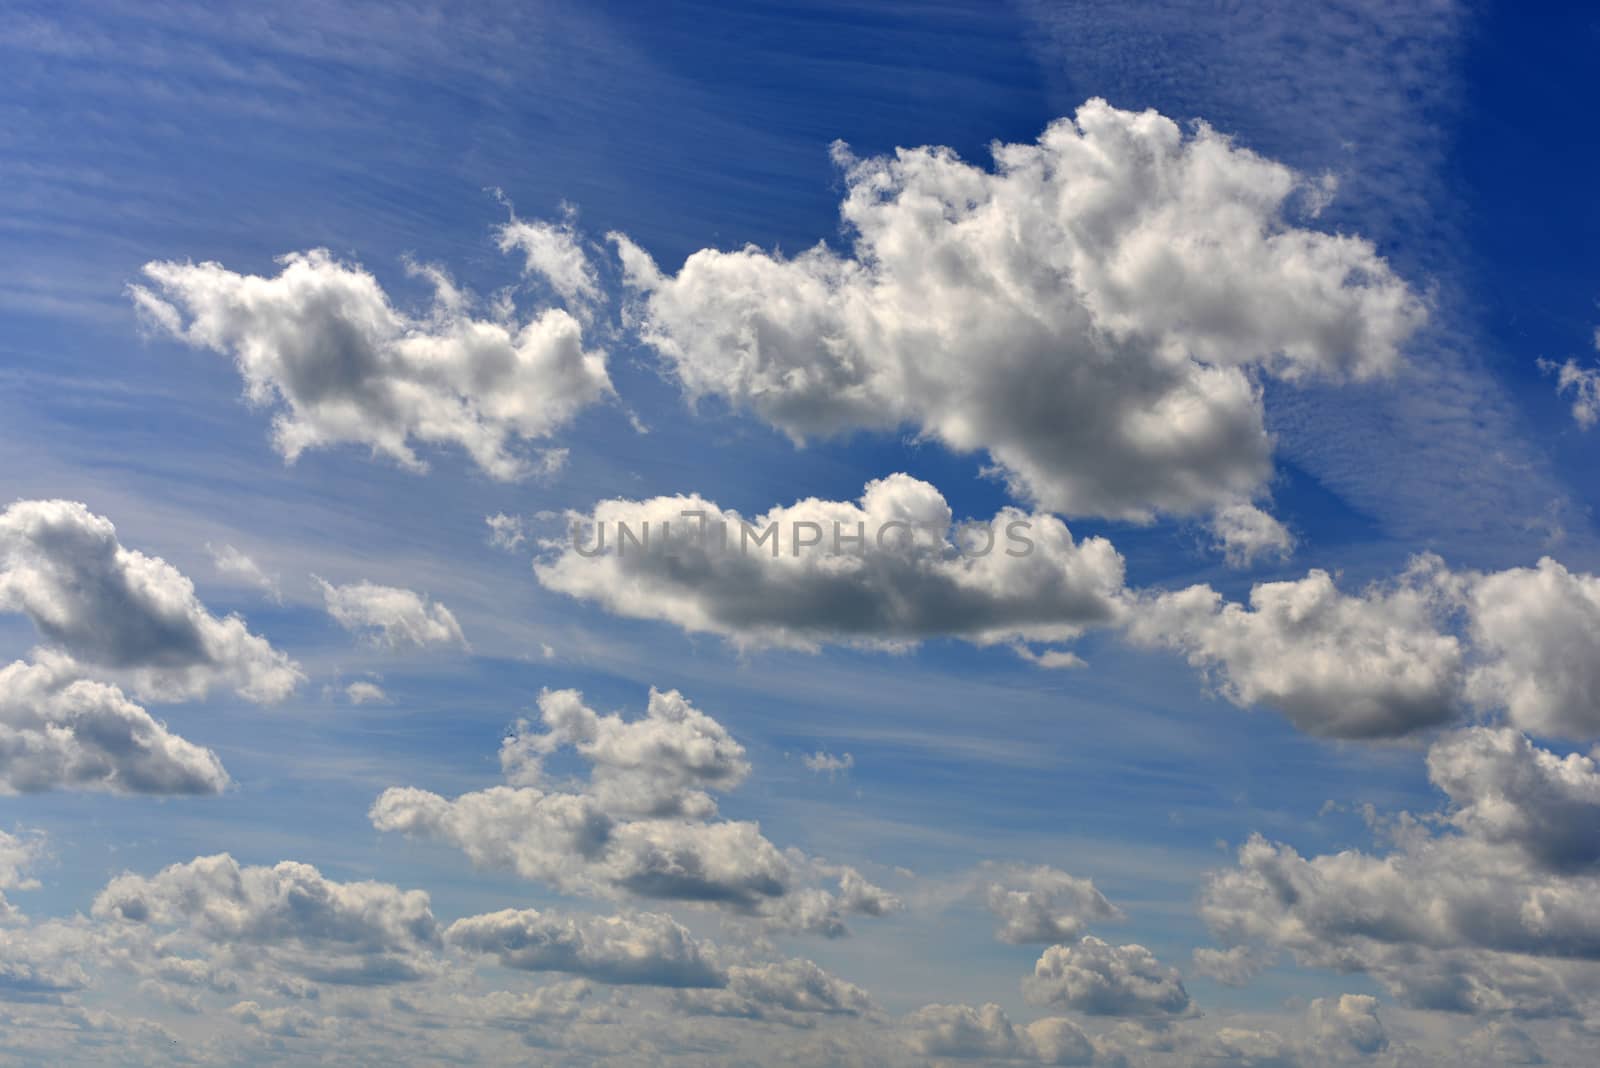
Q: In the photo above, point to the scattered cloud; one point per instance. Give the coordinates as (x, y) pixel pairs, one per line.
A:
(390, 616)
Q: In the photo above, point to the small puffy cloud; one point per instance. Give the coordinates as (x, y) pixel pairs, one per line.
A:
(659, 765)
(1122, 281)
(391, 616)
(646, 949)
(322, 345)
(506, 531)
(60, 731)
(985, 1033)
(786, 990)
(553, 252)
(1581, 383)
(1043, 904)
(888, 570)
(1538, 631)
(828, 763)
(1348, 1022)
(360, 933)
(1245, 533)
(116, 608)
(1099, 979)
(234, 564)
(641, 825)
(365, 693)
(1373, 665)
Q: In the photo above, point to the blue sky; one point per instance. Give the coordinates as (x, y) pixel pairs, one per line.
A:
(392, 134)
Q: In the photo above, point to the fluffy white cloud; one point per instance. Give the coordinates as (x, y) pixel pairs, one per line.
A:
(59, 730)
(1583, 383)
(235, 564)
(1089, 313)
(1094, 977)
(642, 825)
(644, 948)
(552, 251)
(391, 616)
(289, 916)
(365, 693)
(1539, 632)
(506, 531)
(1369, 666)
(785, 990)
(118, 609)
(1043, 904)
(1244, 533)
(965, 1032)
(914, 573)
(322, 344)
(1495, 912)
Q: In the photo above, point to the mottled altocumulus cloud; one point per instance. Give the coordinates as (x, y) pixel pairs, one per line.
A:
(1123, 282)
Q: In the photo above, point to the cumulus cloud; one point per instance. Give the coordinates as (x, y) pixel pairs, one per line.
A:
(1043, 904)
(1099, 979)
(365, 693)
(1372, 665)
(59, 730)
(553, 252)
(322, 345)
(986, 1033)
(1493, 912)
(116, 608)
(641, 825)
(1348, 1022)
(506, 531)
(1122, 282)
(830, 764)
(784, 990)
(914, 573)
(18, 855)
(391, 616)
(1539, 632)
(646, 948)
(1245, 533)
(288, 916)
(1582, 383)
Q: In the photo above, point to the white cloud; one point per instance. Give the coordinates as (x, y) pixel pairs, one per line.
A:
(1369, 666)
(1348, 1022)
(292, 917)
(118, 609)
(1043, 904)
(644, 948)
(322, 345)
(235, 564)
(1244, 533)
(553, 252)
(916, 574)
(391, 616)
(828, 763)
(1539, 632)
(365, 693)
(59, 730)
(1583, 383)
(1099, 979)
(642, 825)
(1122, 283)
(986, 1033)
(784, 990)
(506, 531)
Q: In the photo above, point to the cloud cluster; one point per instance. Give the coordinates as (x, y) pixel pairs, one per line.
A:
(641, 826)
(1117, 283)
(986, 1033)
(645, 948)
(322, 344)
(117, 609)
(391, 616)
(1493, 912)
(890, 569)
(59, 730)
(1100, 979)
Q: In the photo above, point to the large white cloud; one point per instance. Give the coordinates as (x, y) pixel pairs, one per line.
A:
(391, 616)
(1100, 979)
(322, 344)
(915, 573)
(645, 948)
(643, 824)
(1497, 911)
(1090, 313)
(1374, 665)
(118, 609)
(59, 730)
